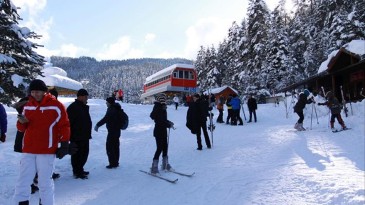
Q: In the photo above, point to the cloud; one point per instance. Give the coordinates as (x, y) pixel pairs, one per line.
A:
(30, 6)
(69, 50)
(205, 32)
(149, 37)
(121, 49)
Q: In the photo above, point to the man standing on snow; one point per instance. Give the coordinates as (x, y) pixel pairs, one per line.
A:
(45, 124)
(112, 121)
(176, 101)
(196, 119)
(252, 107)
(305, 97)
(81, 125)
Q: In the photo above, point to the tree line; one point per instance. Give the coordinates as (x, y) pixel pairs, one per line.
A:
(270, 50)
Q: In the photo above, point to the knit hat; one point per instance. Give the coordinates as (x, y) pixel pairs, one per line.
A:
(110, 100)
(38, 85)
(82, 92)
(161, 98)
(306, 92)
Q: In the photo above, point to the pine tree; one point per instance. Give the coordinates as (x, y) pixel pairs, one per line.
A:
(19, 64)
(257, 27)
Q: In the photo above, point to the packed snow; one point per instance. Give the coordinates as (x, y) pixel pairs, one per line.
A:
(267, 162)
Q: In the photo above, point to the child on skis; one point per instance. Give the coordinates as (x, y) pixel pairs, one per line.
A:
(305, 97)
(335, 107)
(159, 115)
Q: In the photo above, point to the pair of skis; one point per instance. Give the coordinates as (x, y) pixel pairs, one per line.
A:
(169, 179)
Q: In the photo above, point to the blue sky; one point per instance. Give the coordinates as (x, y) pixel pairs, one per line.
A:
(121, 29)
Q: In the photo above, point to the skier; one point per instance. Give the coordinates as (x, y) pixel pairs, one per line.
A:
(335, 107)
(305, 97)
(176, 101)
(159, 115)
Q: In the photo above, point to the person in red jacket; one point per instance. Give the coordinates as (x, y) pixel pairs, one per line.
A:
(45, 123)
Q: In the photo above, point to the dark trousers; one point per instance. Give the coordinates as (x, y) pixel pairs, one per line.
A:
(229, 116)
(236, 117)
(161, 146)
(78, 160)
(301, 116)
(112, 150)
(203, 126)
(254, 115)
(339, 119)
(220, 116)
(176, 105)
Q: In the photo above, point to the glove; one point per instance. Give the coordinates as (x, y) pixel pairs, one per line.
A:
(62, 150)
(171, 124)
(72, 149)
(3, 138)
(96, 128)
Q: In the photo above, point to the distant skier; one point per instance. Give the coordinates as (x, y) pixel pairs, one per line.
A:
(335, 107)
(176, 101)
(305, 97)
(252, 107)
(159, 115)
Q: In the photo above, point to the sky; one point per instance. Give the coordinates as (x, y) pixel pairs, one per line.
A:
(122, 29)
(267, 162)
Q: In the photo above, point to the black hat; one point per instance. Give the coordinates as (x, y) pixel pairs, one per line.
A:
(82, 92)
(110, 100)
(38, 85)
(196, 95)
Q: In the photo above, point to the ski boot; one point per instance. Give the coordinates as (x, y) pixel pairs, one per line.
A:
(154, 168)
(165, 164)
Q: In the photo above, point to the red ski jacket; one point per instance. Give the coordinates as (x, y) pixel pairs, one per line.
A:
(48, 125)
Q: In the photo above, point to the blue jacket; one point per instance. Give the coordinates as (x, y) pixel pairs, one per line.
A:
(236, 103)
(3, 120)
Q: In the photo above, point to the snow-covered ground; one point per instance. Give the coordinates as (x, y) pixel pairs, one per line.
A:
(258, 163)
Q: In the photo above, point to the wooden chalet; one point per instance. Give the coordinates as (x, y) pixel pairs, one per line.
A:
(345, 69)
(222, 91)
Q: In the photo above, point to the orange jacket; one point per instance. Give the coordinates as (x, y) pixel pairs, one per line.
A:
(48, 125)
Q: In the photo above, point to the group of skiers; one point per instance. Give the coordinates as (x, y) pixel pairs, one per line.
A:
(306, 97)
(44, 124)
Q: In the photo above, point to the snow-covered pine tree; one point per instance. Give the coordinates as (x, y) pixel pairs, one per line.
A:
(19, 63)
(278, 59)
(257, 27)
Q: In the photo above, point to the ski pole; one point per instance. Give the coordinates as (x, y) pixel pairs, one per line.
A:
(312, 115)
(324, 95)
(315, 110)
(168, 137)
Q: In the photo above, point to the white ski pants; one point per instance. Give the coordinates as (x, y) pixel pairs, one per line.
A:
(30, 164)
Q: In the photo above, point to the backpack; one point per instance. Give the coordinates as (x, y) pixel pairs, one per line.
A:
(124, 120)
